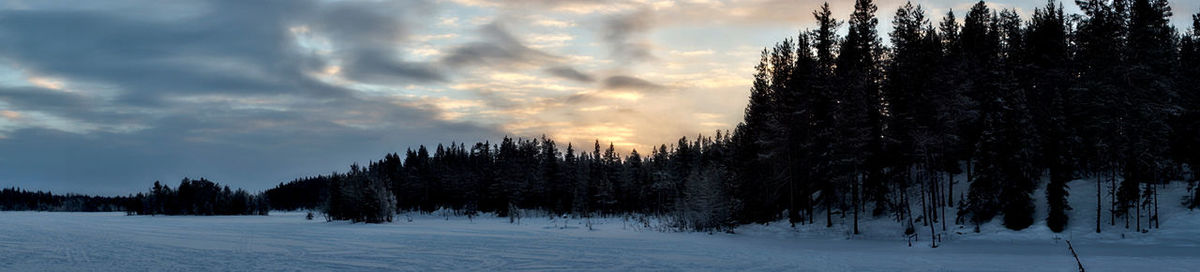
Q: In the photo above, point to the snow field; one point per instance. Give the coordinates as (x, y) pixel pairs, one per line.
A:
(285, 241)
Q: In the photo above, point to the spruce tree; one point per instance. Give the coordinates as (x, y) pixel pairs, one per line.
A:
(954, 108)
(1021, 136)
(825, 132)
(1151, 97)
(858, 117)
(1186, 146)
(914, 130)
(980, 44)
(752, 168)
(1098, 52)
(1052, 104)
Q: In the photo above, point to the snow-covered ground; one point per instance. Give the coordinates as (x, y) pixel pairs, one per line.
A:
(38, 241)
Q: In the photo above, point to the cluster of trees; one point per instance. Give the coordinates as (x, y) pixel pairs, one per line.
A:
(359, 197)
(15, 199)
(196, 197)
(847, 126)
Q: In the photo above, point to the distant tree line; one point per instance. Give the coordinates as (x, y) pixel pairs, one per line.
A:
(196, 197)
(689, 181)
(15, 199)
(843, 127)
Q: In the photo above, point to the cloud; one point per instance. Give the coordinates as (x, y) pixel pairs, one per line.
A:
(619, 87)
(41, 99)
(248, 48)
(366, 38)
(549, 22)
(247, 148)
(226, 90)
(382, 67)
(622, 34)
(571, 6)
(630, 83)
(569, 73)
(498, 50)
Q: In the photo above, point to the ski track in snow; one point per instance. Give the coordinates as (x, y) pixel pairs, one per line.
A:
(41, 241)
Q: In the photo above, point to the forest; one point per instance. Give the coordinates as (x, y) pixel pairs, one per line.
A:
(16, 199)
(849, 126)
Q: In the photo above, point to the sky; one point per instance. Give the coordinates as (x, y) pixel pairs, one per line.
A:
(105, 97)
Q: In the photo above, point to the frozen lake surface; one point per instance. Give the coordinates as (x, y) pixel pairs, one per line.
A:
(39, 241)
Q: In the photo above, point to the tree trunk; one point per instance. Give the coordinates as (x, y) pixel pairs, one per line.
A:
(1139, 210)
(792, 212)
(828, 212)
(933, 196)
(943, 206)
(969, 177)
(1112, 198)
(1157, 224)
(950, 189)
(1098, 207)
(811, 215)
(932, 231)
(856, 204)
(924, 206)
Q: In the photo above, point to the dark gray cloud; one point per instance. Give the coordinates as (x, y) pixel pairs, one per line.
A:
(618, 83)
(41, 99)
(366, 37)
(499, 49)
(622, 34)
(633, 83)
(226, 93)
(382, 67)
(150, 59)
(569, 73)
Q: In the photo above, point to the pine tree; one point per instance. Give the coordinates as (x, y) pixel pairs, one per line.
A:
(1098, 52)
(979, 41)
(1152, 54)
(859, 115)
(954, 108)
(916, 134)
(978, 45)
(752, 167)
(1020, 137)
(913, 125)
(1186, 146)
(1051, 103)
(799, 119)
(824, 133)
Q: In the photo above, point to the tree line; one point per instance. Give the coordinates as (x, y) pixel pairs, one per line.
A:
(16, 199)
(848, 126)
(688, 181)
(196, 197)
